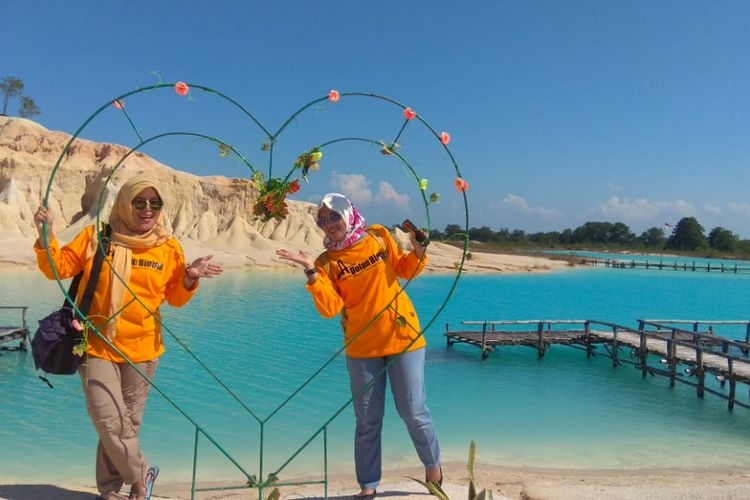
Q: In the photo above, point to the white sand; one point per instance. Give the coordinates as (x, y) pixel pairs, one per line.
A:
(505, 483)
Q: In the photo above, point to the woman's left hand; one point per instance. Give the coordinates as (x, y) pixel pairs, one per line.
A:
(203, 268)
(419, 249)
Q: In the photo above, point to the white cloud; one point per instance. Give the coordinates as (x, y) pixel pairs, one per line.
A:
(519, 204)
(712, 210)
(641, 209)
(613, 187)
(354, 186)
(741, 209)
(388, 194)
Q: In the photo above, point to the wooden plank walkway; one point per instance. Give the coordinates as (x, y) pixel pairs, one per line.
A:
(15, 332)
(701, 350)
(661, 265)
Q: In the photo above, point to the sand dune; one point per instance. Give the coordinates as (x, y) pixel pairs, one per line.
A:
(209, 215)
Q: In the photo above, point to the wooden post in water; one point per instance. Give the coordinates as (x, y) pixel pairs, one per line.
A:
(671, 361)
(732, 384)
(589, 347)
(540, 340)
(699, 366)
(484, 340)
(643, 354)
(615, 343)
(448, 340)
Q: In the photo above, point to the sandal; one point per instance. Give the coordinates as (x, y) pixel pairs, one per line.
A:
(439, 482)
(151, 474)
(365, 496)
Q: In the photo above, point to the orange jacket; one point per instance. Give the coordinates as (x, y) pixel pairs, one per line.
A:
(156, 275)
(363, 282)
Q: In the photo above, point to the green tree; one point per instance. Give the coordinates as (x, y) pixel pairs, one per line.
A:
(483, 234)
(452, 229)
(28, 108)
(10, 86)
(653, 237)
(687, 235)
(722, 239)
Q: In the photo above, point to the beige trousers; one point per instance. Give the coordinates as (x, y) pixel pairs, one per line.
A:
(115, 398)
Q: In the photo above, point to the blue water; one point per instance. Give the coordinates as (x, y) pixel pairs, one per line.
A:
(261, 335)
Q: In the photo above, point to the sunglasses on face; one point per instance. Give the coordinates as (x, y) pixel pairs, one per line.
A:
(324, 221)
(140, 204)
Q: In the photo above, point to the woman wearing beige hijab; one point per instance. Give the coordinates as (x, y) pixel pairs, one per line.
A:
(146, 267)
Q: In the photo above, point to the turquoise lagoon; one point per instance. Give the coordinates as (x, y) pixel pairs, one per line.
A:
(262, 337)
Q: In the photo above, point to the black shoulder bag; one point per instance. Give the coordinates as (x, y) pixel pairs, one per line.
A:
(53, 342)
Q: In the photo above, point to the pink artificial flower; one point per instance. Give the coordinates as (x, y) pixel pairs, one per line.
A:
(77, 325)
(445, 137)
(334, 96)
(409, 114)
(461, 185)
(118, 104)
(181, 88)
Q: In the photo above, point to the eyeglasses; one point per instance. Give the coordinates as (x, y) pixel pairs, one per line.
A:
(324, 221)
(154, 205)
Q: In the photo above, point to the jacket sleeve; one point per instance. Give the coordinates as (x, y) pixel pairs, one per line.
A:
(176, 293)
(407, 265)
(325, 296)
(68, 260)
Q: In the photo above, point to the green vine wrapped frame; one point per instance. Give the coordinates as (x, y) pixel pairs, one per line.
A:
(271, 205)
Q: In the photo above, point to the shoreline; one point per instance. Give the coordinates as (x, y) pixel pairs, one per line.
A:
(505, 482)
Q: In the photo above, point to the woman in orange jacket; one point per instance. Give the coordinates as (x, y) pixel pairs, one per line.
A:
(357, 276)
(146, 267)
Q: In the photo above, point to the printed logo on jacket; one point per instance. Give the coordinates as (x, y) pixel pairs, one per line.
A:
(352, 270)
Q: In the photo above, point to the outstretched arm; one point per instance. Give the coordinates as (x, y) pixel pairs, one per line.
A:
(200, 268)
(301, 258)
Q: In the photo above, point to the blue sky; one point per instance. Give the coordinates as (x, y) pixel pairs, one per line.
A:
(559, 112)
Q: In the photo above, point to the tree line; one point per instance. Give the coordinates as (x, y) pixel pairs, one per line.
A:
(11, 87)
(687, 236)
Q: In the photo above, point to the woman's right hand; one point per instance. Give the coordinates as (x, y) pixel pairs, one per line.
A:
(302, 258)
(42, 215)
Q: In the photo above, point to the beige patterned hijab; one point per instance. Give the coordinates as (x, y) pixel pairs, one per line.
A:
(125, 238)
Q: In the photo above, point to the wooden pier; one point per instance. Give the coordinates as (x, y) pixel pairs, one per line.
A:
(661, 265)
(700, 351)
(14, 332)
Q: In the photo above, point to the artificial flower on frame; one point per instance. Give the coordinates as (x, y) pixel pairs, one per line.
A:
(309, 161)
(435, 198)
(181, 88)
(334, 96)
(388, 150)
(271, 202)
(224, 150)
(409, 114)
(423, 183)
(461, 185)
(119, 104)
(445, 138)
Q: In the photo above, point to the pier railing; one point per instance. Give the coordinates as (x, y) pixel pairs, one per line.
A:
(11, 332)
(661, 265)
(701, 352)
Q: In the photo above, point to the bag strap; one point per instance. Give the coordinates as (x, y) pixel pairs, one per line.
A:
(96, 268)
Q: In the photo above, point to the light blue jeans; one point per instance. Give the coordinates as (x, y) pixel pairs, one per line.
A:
(406, 374)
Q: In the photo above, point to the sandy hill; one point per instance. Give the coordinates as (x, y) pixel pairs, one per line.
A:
(207, 214)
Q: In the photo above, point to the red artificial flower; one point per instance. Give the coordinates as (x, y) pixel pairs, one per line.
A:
(118, 104)
(445, 137)
(181, 88)
(461, 185)
(294, 186)
(334, 96)
(409, 114)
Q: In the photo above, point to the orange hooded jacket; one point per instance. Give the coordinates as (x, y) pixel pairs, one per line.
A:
(156, 276)
(363, 282)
